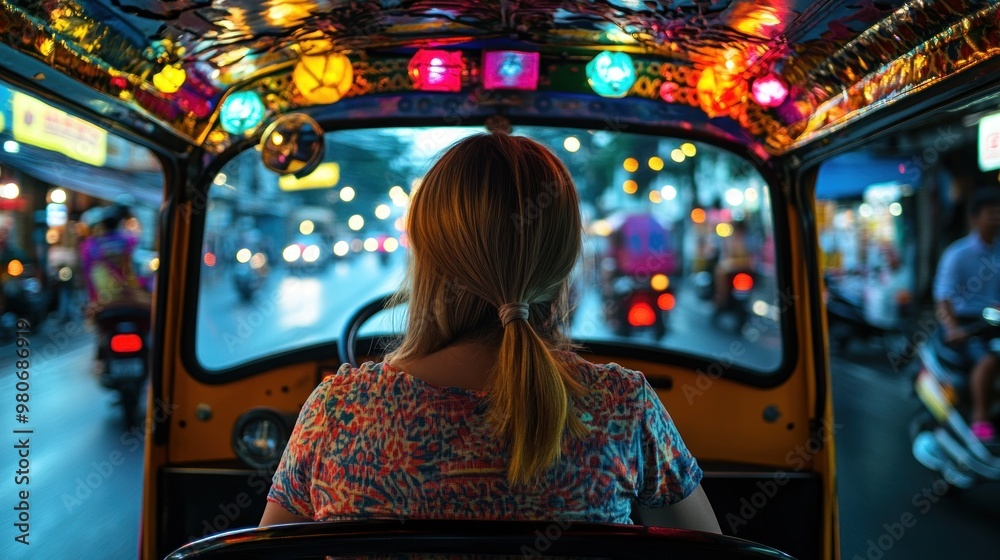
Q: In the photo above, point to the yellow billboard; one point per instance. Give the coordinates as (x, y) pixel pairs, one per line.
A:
(324, 177)
(44, 126)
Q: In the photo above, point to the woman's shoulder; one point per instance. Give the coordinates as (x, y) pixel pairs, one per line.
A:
(611, 377)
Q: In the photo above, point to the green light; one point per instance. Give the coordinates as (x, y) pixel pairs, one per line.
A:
(241, 111)
(611, 74)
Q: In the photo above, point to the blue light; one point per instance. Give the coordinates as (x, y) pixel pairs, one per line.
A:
(241, 111)
(611, 74)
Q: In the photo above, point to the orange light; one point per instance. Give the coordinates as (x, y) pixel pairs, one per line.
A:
(630, 186)
(126, 343)
(631, 165)
(15, 268)
(209, 259)
(641, 315)
(742, 282)
(698, 216)
(666, 301)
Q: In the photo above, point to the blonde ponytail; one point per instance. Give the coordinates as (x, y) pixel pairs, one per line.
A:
(530, 399)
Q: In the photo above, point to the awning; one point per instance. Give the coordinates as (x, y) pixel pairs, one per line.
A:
(848, 176)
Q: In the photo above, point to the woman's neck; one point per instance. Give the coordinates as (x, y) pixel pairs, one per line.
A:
(463, 364)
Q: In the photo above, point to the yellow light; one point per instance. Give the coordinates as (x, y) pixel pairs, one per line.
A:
(677, 155)
(356, 222)
(307, 227)
(15, 268)
(341, 248)
(400, 224)
(382, 211)
(390, 245)
(630, 186)
(601, 228)
(571, 143)
(724, 229)
(170, 79)
(286, 14)
(325, 176)
(371, 244)
(698, 216)
(655, 197)
(323, 78)
(220, 179)
(631, 165)
(10, 190)
(277, 139)
(52, 236)
(396, 192)
(655, 163)
(347, 194)
(243, 255)
(47, 46)
(154, 264)
(58, 196)
(750, 195)
(659, 282)
(689, 149)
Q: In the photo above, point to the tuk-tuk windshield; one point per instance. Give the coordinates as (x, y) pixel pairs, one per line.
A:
(678, 252)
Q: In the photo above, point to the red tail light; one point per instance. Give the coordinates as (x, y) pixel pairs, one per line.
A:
(665, 302)
(126, 343)
(742, 282)
(641, 315)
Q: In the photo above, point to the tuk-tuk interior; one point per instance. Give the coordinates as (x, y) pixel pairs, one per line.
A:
(695, 114)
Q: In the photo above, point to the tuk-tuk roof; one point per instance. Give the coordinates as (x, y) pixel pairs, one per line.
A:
(173, 64)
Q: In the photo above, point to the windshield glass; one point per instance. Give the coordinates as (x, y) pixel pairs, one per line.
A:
(678, 252)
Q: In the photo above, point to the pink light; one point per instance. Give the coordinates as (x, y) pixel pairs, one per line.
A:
(435, 70)
(510, 70)
(769, 91)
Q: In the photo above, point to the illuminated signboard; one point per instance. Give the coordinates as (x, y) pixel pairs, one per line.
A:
(989, 142)
(41, 125)
(324, 177)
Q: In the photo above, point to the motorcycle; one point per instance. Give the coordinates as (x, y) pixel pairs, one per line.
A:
(249, 277)
(23, 297)
(846, 319)
(942, 440)
(736, 302)
(123, 352)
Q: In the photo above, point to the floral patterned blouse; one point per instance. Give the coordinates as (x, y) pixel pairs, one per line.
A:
(375, 443)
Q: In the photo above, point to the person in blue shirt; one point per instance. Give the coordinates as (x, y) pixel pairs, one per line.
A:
(967, 281)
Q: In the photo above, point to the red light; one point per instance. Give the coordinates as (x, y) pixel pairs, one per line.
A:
(510, 70)
(666, 302)
(434, 70)
(641, 315)
(209, 259)
(769, 91)
(126, 343)
(742, 282)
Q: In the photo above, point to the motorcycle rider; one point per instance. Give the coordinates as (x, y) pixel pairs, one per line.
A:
(966, 283)
(106, 260)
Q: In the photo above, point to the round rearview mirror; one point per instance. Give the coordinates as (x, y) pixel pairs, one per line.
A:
(292, 144)
(992, 315)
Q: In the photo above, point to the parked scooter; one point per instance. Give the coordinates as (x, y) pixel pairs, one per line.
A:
(123, 352)
(941, 438)
(846, 319)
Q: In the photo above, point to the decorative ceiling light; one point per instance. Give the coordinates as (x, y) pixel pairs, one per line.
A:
(769, 91)
(510, 70)
(170, 79)
(611, 74)
(323, 78)
(436, 70)
(241, 112)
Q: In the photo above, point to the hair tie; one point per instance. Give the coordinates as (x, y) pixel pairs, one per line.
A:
(511, 311)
